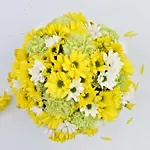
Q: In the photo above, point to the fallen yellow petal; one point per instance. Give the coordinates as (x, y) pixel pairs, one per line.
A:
(130, 33)
(129, 120)
(106, 138)
(136, 86)
(142, 69)
(130, 106)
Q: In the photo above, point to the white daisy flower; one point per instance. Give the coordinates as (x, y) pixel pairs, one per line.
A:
(35, 72)
(16, 84)
(94, 30)
(52, 40)
(90, 109)
(36, 110)
(67, 127)
(108, 79)
(112, 60)
(128, 96)
(76, 88)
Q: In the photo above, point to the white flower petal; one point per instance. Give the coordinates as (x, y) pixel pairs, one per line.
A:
(52, 40)
(36, 110)
(66, 127)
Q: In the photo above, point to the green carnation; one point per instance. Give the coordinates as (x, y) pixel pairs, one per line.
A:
(121, 81)
(59, 108)
(79, 42)
(36, 46)
(107, 31)
(62, 20)
(41, 88)
(81, 121)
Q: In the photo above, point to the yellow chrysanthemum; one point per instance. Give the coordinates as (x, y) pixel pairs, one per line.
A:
(103, 43)
(116, 47)
(77, 28)
(87, 97)
(31, 91)
(77, 16)
(49, 120)
(98, 62)
(76, 64)
(58, 63)
(127, 67)
(58, 84)
(110, 104)
(4, 100)
(35, 119)
(59, 136)
(22, 100)
(90, 132)
(57, 29)
(20, 54)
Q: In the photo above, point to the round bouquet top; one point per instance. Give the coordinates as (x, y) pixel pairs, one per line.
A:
(72, 76)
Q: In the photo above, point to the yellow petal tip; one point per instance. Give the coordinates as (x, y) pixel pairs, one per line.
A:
(129, 120)
(130, 33)
(106, 138)
(142, 69)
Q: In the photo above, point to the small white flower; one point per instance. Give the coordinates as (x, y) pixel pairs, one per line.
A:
(94, 30)
(128, 96)
(16, 84)
(90, 109)
(67, 127)
(76, 88)
(35, 72)
(39, 65)
(100, 123)
(36, 110)
(114, 64)
(52, 40)
(48, 131)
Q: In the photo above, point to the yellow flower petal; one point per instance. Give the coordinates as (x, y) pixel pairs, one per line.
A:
(129, 120)
(4, 100)
(130, 106)
(136, 86)
(130, 33)
(142, 69)
(106, 138)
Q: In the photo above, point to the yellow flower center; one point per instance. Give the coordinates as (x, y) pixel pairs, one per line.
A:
(97, 64)
(73, 90)
(89, 106)
(60, 83)
(75, 64)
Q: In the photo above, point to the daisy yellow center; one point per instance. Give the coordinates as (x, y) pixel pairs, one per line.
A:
(73, 90)
(76, 64)
(97, 63)
(60, 83)
(89, 106)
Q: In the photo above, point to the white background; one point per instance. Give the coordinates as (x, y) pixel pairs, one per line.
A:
(18, 16)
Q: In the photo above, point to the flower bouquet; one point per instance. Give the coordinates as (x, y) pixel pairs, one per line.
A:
(72, 76)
